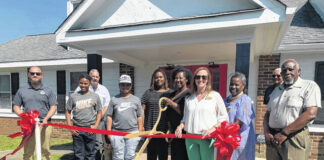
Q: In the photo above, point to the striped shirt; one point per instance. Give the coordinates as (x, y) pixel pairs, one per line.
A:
(151, 99)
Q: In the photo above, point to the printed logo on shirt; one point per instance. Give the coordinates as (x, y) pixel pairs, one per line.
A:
(124, 106)
(81, 104)
(42, 92)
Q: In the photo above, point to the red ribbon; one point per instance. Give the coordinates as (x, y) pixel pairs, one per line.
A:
(226, 140)
(26, 124)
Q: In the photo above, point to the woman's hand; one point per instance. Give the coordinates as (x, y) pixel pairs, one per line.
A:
(178, 132)
(208, 132)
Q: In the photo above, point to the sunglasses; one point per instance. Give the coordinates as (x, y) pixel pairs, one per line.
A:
(287, 69)
(125, 84)
(197, 77)
(35, 73)
(276, 75)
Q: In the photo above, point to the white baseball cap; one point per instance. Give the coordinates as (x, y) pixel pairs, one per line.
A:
(125, 79)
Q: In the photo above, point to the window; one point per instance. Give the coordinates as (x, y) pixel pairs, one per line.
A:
(319, 79)
(74, 80)
(5, 93)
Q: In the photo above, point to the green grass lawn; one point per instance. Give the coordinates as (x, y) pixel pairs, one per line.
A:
(7, 143)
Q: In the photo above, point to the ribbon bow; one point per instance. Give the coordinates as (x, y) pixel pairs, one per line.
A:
(26, 124)
(226, 139)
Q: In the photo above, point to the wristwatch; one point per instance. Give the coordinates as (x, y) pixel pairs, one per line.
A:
(284, 133)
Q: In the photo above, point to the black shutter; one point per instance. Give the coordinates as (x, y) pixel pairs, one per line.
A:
(61, 90)
(319, 79)
(14, 84)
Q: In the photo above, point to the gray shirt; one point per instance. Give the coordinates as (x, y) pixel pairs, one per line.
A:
(84, 108)
(39, 99)
(125, 112)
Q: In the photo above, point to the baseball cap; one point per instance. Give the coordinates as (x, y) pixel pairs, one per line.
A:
(125, 79)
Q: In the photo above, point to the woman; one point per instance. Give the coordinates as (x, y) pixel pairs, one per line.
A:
(240, 111)
(204, 111)
(124, 114)
(157, 147)
(181, 78)
(86, 109)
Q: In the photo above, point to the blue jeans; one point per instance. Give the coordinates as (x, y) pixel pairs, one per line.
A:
(84, 146)
(124, 149)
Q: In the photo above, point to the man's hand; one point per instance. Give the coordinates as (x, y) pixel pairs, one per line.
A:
(93, 127)
(269, 138)
(279, 139)
(76, 133)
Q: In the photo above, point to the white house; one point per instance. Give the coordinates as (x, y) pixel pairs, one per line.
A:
(250, 36)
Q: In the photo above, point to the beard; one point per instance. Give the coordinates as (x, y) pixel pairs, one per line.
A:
(34, 82)
(289, 82)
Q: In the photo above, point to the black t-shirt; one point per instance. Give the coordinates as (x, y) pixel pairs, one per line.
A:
(174, 117)
(151, 100)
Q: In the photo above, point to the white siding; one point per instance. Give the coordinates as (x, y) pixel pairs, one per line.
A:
(306, 62)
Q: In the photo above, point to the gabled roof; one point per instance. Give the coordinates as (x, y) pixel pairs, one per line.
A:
(306, 27)
(36, 47)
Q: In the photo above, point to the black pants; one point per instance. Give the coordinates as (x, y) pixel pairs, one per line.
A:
(178, 149)
(157, 147)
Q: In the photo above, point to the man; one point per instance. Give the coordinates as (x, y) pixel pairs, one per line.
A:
(292, 107)
(104, 95)
(41, 98)
(124, 114)
(277, 79)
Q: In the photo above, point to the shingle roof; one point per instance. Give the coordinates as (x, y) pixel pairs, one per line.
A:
(294, 3)
(36, 47)
(306, 27)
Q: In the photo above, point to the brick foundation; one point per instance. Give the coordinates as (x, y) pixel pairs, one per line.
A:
(9, 126)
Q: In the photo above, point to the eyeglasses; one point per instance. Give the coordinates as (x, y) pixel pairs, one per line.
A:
(35, 73)
(197, 77)
(287, 69)
(276, 75)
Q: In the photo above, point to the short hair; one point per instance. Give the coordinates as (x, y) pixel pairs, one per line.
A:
(165, 85)
(239, 75)
(277, 69)
(209, 85)
(187, 73)
(86, 76)
(291, 60)
(93, 70)
(33, 67)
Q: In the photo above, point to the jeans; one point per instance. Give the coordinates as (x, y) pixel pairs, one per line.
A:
(124, 148)
(84, 146)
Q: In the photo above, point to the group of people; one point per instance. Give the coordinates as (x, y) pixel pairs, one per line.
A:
(292, 105)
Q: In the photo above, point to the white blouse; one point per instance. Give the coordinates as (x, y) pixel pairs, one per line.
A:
(202, 115)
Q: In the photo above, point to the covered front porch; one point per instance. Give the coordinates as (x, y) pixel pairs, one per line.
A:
(234, 36)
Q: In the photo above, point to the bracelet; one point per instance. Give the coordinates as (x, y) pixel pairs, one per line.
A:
(284, 133)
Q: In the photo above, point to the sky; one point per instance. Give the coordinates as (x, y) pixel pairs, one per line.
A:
(19, 18)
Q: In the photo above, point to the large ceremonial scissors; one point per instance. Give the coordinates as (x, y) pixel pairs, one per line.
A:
(151, 132)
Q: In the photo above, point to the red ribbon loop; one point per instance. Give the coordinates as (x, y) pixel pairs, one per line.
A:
(226, 140)
(26, 124)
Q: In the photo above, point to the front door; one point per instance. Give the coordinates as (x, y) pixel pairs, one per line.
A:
(218, 71)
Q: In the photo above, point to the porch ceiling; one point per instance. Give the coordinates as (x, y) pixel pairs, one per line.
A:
(176, 54)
